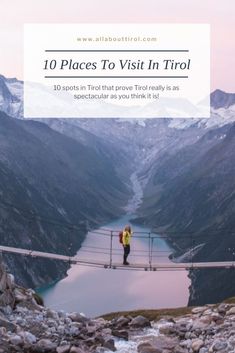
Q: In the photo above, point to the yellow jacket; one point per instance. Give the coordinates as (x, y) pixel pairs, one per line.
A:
(126, 237)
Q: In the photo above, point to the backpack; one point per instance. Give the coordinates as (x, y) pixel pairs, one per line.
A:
(120, 237)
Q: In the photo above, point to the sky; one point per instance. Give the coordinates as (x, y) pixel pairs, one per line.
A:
(219, 14)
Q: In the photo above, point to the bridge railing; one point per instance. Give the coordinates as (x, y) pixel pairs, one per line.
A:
(149, 251)
(147, 248)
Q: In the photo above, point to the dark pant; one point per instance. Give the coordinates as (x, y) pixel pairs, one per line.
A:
(126, 252)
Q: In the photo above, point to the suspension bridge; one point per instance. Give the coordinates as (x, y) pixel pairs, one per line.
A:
(146, 254)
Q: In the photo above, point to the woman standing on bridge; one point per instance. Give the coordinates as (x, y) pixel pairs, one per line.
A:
(126, 238)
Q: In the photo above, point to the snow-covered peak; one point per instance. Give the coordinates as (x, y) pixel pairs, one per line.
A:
(222, 110)
(15, 87)
(11, 96)
(218, 118)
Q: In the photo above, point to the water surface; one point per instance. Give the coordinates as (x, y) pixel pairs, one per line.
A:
(96, 291)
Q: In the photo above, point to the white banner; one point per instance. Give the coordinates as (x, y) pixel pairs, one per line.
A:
(117, 70)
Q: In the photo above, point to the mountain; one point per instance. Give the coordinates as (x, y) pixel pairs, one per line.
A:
(175, 176)
(48, 182)
(11, 96)
(220, 99)
(185, 166)
(101, 143)
(190, 196)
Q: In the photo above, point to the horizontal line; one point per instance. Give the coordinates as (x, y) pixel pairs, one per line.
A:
(115, 76)
(117, 50)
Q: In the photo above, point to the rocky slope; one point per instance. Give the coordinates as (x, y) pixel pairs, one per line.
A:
(27, 326)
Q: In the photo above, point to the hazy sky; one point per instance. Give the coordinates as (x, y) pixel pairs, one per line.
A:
(220, 14)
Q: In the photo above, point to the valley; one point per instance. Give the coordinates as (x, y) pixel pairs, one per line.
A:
(179, 174)
(121, 290)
